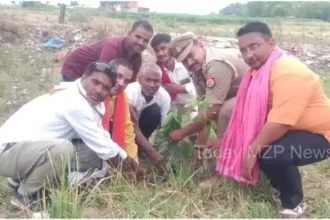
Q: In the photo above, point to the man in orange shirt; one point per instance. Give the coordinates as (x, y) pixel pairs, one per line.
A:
(296, 129)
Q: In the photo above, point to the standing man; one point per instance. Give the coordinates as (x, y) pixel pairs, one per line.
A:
(151, 102)
(175, 77)
(106, 49)
(35, 152)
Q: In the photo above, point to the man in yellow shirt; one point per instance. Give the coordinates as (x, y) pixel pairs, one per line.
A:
(119, 119)
(296, 131)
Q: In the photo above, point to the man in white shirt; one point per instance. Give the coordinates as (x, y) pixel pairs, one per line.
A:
(175, 77)
(35, 142)
(151, 102)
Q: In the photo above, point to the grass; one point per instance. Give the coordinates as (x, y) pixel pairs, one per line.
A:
(26, 73)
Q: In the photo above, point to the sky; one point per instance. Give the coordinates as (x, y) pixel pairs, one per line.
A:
(173, 6)
(187, 6)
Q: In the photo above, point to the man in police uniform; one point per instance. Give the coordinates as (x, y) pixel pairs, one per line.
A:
(217, 73)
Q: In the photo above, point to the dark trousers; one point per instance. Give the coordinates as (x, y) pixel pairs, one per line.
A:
(281, 159)
(150, 119)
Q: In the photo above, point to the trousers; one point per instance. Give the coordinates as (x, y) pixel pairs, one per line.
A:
(280, 162)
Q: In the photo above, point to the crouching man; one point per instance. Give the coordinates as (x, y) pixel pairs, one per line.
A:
(217, 74)
(36, 142)
(117, 119)
(151, 103)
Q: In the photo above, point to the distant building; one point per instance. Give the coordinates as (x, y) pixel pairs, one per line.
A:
(143, 9)
(120, 5)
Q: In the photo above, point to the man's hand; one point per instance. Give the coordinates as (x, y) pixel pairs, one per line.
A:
(159, 161)
(177, 135)
(213, 144)
(173, 88)
(157, 158)
(127, 165)
(248, 164)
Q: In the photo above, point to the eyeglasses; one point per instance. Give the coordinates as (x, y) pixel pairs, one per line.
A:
(103, 67)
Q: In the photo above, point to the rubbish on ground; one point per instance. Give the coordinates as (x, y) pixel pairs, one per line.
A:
(54, 42)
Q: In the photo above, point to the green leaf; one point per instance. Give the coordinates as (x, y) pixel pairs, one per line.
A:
(162, 147)
(167, 120)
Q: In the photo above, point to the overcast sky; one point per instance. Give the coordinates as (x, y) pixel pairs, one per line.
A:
(170, 6)
(186, 6)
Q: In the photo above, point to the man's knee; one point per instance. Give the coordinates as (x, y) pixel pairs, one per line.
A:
(153, 111)
(84, 157)
(62, 149)
(273, 155)
(224, 116)
(226, 109)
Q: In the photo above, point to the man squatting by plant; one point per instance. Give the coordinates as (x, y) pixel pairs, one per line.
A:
(281, 119)
(217, 73)
(130, 48)
(37, 151)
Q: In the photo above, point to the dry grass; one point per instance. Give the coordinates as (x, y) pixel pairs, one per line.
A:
(26, 73)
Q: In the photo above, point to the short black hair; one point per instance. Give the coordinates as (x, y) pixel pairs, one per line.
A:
(142, 23)
(107, 69)
(255, 27)
(121, 62)
(160, 38)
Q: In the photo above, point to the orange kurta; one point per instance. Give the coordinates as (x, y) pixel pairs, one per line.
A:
(129, 135)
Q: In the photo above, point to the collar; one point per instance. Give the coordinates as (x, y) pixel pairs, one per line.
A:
(177, 65)
(81, 89)
(99, 108)
(145, 97)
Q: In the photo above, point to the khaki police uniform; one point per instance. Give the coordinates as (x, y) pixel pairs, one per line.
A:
(221, 74)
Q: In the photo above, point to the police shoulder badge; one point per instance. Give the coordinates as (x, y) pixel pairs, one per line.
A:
(178, 49)
(210, 82)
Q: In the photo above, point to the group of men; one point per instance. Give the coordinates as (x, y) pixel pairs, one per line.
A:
(109, 104)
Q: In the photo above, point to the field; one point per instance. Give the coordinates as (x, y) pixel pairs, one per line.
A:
(28, 70)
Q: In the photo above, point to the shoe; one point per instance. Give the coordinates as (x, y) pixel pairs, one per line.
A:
(89, 177)
(12, 184)
(22, 202)
(292, 213)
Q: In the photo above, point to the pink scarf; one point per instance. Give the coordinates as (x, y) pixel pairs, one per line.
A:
(248, 117)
